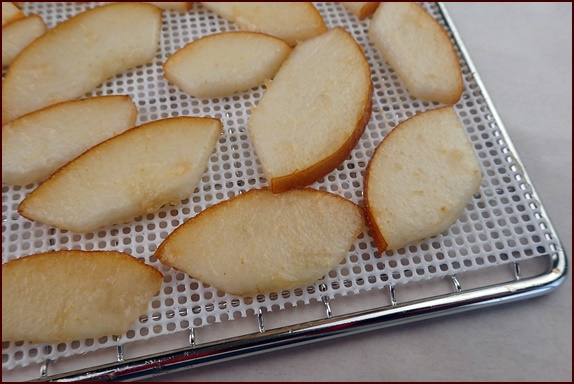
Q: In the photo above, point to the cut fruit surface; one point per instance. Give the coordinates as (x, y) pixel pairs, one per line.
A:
(128, 175)
(314, 112)
(36, 145)
(10, 13)
(77, 55)
(420, 179)
(18, 35)
(419, 50)
(224, 63)
(57, 297)
(181, 6)
(260, 242)
(290, 21)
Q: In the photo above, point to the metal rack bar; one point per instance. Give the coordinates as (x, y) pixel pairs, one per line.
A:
(393, 294)
(337, 326)
(192, 337)
(456, 283)
(260, 321)
(326, 302)
(119, 349)
(44, 369)
(517, 272)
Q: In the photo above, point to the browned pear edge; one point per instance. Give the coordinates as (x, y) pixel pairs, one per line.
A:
(370, 218)
(18, 16)
(186, 6)
(124, 255)
(376, 232)
(368, 9)
(315, 172)
(159, 253)
(78, 101)
(22, 206)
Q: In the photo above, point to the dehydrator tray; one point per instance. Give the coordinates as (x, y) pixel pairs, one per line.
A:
(504, 231)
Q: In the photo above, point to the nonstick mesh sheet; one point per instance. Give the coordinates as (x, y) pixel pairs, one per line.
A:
(501, 224)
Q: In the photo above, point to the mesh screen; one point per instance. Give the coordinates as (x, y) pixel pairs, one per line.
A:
(501, 224)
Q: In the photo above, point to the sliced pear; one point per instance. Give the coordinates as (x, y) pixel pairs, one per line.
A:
(314, 111)
(173, 5)
(128, 175)
(420, 179)
(361, 9)
(224, 63)
(79, 54)
(18, 35)
(419, 50)
(57, 297)
(10, 13)
(260, 242)
(35, 145)
(291, 22)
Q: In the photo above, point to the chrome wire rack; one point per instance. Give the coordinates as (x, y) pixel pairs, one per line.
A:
(468, 268)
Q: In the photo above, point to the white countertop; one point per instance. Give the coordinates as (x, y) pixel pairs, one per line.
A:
(523, 53)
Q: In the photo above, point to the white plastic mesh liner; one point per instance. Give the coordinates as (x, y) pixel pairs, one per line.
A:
(502, 223)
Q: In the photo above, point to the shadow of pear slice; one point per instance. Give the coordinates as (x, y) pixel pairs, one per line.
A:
(131, 174)
(420, 179)
(77, 55)
(62, 296)
(263, 242)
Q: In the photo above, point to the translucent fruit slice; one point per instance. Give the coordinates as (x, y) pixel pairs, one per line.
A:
(263, 242)
(35, 145)
(314, 112)
(128, 175)
(77, 55)
(420, 179)
(224, 63)
(58, 297)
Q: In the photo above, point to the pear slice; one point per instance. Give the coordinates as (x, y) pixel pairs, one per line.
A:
(420, 179)
(290, 21)
(361, 9)
(260, 242)
(128, 175)
(35, 145)
(18, 35)
(224, 63)
(419, 50)
(57, 297)
(181, 6)
(10, 13)
(79, 54)
(314, 112)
